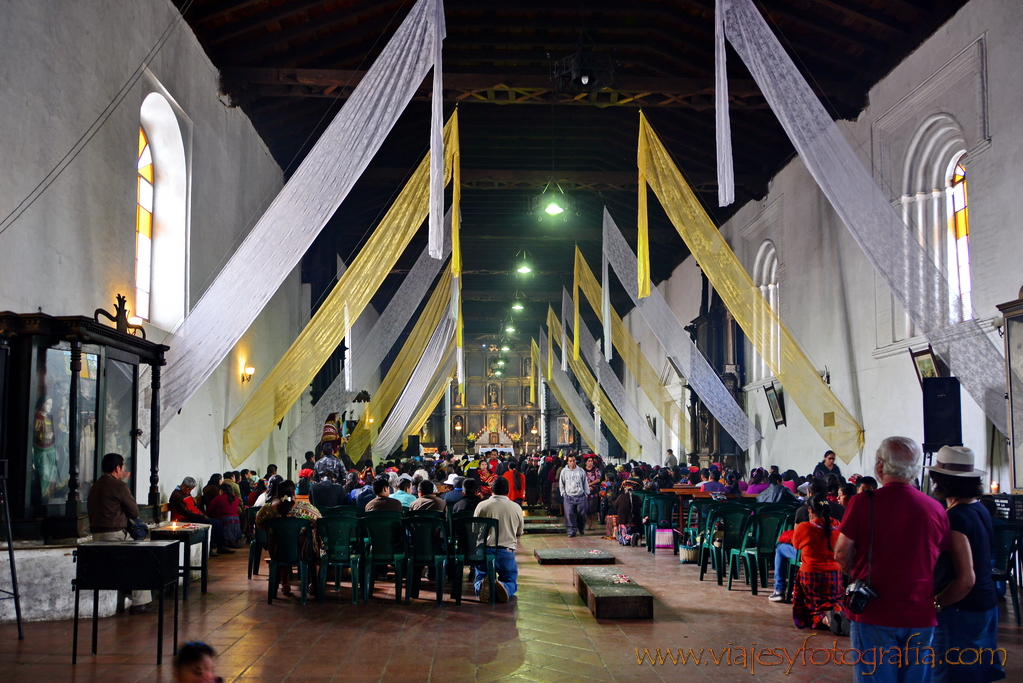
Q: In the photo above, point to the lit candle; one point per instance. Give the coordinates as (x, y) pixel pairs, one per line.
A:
(994, 487)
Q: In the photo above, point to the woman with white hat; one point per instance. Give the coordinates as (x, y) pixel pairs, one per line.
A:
(966, 601)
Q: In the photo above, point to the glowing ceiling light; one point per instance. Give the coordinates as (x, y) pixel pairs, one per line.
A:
(553, 209)
(517, 306)
(524, 268)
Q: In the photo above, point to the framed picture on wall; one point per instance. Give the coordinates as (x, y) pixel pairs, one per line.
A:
(927, 364)
(774, 400)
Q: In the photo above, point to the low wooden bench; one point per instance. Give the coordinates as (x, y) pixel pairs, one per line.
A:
(609, 600)
(553, 528)
(572, 556)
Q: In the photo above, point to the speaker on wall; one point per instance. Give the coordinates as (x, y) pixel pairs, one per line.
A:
(943, 422)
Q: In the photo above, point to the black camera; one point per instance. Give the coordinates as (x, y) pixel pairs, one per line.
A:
(857, 595)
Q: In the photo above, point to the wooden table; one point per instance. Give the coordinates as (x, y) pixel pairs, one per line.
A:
(189, 534)
(126, 566)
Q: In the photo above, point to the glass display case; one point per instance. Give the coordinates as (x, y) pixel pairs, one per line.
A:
(1012, 311)
(69, 390)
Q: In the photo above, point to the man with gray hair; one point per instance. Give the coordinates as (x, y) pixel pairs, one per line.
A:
(891, 539)
(183, 509)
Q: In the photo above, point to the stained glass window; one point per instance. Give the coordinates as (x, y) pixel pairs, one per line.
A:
(144, 228)
(959, 241)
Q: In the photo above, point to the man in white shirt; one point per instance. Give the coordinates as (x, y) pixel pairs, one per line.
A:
(573, 491)
(509, 528)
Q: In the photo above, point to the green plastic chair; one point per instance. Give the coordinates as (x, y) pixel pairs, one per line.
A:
(258, 543)
(340, 511)
(794, 566)
(660, 508)
(340, 537)
(731, 519)
(757, 548)
(428, 547)
(387, 546)
(1005, 562)
(472, 540)
(696, 517)
(284, 539)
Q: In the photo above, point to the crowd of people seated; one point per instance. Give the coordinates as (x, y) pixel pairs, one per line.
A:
(832, 520)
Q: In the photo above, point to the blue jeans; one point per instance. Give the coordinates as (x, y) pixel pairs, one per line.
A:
(576, 511)
(967, 640)
(878, 661)
(783, 554)
(507, 570)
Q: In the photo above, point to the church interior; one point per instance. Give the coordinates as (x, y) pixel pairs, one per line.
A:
(740, 232)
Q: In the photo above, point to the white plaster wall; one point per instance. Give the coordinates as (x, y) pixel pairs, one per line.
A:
(73, 249)
(828, 287)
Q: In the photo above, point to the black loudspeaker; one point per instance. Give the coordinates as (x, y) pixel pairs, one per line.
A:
(412, 450)
(943, 421)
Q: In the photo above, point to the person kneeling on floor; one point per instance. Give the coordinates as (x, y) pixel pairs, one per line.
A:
(509, 528)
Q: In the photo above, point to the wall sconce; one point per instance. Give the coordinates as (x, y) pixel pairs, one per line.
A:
(248, 373)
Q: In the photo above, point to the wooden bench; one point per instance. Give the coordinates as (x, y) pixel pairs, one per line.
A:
(609, 600)
(554, 528)
(572, 556)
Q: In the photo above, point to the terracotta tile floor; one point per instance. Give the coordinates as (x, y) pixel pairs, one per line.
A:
(545, 635)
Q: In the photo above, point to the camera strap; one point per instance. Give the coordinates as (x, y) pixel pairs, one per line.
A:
(870, 548)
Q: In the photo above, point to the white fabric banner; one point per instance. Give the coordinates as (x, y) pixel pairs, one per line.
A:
(726, 172)
(612, 386)
(285, 232)
(423, 377)
(893, 250)
(681, 350)
(577, 407)
(371, 351)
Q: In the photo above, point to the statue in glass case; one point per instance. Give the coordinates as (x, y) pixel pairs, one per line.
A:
(44, 448)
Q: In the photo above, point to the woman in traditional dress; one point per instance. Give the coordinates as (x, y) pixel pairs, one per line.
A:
(486, 478)
(594, 477)
(818, 587)
(286, 505)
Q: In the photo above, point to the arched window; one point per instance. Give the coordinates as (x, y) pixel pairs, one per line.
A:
(144, 228)
(934, 207)
(765, 277)
(161, 226)
(958, 246)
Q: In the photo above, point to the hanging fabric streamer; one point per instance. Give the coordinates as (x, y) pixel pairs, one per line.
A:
(370, 353)
(570, 400)
(286, 230)
(422, 379)
(632, 354)
(605, 303)
(591, 388)
(747, 304)
(894, 251)
(402, 367)
(433, 398)
(726, 173)
(679, 348)
(436, 227)
(612, 387)
(284, 385)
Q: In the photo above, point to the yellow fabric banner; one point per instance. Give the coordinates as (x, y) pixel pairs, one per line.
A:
(433, 397)
(769, 336)
(401, 370)
(635, 360)
(588, 383)
(534, 365)
(283, 386)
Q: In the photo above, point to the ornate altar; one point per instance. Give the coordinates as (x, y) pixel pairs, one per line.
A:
(68, 395)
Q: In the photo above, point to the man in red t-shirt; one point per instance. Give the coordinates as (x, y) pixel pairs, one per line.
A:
(910, 530)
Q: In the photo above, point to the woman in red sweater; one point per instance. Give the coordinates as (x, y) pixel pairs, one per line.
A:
(818, 587)
(225, 508)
